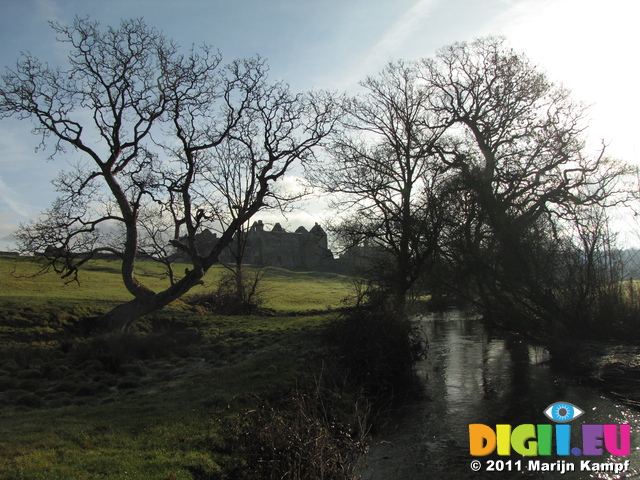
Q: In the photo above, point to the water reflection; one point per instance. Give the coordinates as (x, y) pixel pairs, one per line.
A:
(471, 376)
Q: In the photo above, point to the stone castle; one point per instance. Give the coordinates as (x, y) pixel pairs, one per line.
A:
(301, 249)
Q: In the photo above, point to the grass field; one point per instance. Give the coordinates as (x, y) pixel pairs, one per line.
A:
(158, 403)
(101, 284)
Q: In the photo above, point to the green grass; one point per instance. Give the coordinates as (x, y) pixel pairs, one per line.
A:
(150, 404)
(300, 291)
(100, 284)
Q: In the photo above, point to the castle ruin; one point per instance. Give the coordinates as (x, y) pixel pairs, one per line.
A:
(301, 249)
(297, 250)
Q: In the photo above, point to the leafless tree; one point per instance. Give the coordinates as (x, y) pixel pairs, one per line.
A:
(384, 166)
(148, 122)
(280, 130)
(515, 141)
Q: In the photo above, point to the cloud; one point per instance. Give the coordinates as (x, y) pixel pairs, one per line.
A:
(47, 10)
(391, 44)
(573, 36)
(293, 185)
(402, 30)
(306, 212)
(8, 225)
(8, 196)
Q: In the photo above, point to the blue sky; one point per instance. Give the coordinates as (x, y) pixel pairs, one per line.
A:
(591, 46)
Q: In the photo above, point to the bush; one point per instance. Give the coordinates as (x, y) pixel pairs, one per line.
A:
(303, 436)
(377, 348)
(229, 299)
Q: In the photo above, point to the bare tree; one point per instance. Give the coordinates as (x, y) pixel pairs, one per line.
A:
(516, 143)
(279, 130)
(122, 86)
(388, 174)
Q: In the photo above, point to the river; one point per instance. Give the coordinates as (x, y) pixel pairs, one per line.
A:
(471, 376)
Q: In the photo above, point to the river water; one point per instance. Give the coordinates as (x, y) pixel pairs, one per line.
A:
(471, 376)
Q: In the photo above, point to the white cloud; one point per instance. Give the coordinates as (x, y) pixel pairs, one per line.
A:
(8, 224)
(293, 185)
(402, 30)
(582, 39)
(391, 44)
(8, 196)
(47, 10)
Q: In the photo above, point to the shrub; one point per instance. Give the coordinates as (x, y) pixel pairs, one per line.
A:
(230, 299)
(377, 348)
(302, 436)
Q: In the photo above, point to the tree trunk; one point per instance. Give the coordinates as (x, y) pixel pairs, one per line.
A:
(121, 317)
(240, 294)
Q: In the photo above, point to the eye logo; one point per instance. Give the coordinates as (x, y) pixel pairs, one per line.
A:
(562, 412)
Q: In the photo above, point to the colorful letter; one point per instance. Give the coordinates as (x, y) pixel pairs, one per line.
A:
(563, 439)
(503, 432)
(482, 439)
(611, 437)
(592, 439)
(523, 440)
(545, 432)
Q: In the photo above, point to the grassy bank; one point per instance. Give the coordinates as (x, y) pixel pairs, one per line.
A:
(168, 401)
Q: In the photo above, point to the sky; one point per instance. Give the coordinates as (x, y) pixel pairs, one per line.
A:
(589, 46)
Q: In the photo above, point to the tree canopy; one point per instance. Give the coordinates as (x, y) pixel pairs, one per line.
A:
(472, 158)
